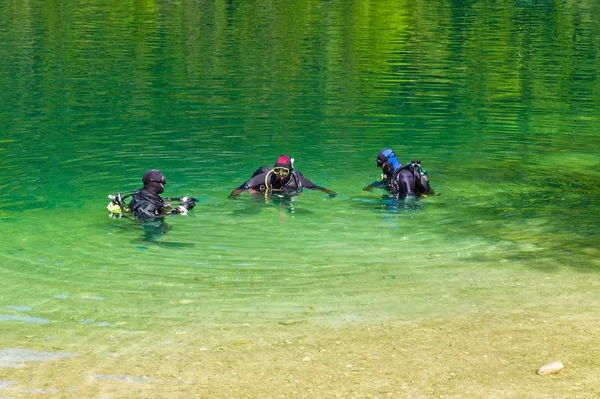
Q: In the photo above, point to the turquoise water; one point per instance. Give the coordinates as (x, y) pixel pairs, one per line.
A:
(499, 100)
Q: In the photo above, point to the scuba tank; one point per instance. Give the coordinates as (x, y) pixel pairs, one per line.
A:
(116, 207)
(419, 175)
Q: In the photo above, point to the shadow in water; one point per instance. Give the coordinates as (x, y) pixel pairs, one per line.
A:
(155, 229)
(389, 204)
(285, 203)
(152, 232)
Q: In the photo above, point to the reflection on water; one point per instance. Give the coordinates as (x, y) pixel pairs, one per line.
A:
(389, 206)
(255, 203)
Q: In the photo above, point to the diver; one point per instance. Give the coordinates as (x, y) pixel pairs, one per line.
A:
(399, 180)
(146, 204)
(279, 179)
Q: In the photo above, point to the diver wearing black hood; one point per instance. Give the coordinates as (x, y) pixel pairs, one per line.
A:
(147, 204)
(400, 180)
(281, 178)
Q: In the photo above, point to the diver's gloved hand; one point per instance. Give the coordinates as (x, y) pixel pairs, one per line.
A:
(333, 195)
(180, 210)
(188, 203)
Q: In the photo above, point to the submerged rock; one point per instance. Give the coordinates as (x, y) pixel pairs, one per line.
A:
(124, 378)
(15, 357)
(25, 319)
(550, 368)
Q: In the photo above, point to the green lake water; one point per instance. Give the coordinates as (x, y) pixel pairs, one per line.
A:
(499, 100)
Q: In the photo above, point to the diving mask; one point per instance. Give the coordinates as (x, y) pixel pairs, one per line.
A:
(281, 171)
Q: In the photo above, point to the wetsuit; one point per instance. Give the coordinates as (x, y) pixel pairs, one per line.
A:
(407, 180)
(400, 180)
(146, 205)
(263, 179)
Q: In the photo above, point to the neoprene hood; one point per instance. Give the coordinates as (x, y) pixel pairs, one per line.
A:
(154, 181)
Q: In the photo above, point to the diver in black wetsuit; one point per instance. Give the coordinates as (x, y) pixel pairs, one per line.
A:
(147, 205)
(281, 178)
(400, 180)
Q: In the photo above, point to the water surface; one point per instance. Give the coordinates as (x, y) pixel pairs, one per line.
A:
(499, 100)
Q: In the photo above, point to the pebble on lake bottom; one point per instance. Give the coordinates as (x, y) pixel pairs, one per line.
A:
(550, 368)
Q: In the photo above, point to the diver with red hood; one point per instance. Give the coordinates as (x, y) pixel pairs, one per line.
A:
(281, 178)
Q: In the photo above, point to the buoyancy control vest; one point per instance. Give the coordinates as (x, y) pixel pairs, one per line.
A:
(410, 178)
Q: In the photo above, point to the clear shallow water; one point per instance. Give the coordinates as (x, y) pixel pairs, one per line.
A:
(500, 102)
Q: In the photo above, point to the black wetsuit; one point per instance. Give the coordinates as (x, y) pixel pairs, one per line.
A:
(146, 205)
(263, 179)
(407, 180)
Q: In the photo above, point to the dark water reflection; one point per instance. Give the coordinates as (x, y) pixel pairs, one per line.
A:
(499, 101)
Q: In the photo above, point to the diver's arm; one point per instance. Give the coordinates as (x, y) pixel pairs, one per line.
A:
(253, 184)
(236, 192)
(302, 181)
(326, 190)
(180, 210)
(187, 204)
(375, 184)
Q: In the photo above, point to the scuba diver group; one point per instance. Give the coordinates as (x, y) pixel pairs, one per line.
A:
(399, 180)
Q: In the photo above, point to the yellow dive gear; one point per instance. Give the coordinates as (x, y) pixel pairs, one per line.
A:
(114, 208)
